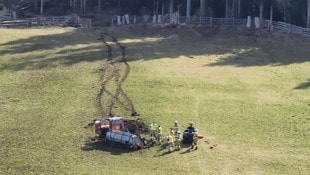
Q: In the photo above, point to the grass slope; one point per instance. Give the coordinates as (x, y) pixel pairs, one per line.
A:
(251, 94)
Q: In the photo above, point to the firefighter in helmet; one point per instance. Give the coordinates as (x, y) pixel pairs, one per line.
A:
(170, 142)
(195, 141)
(191, 125)
(159, 135)
(178, 141)
(176, 127)
(172, 132)
(153, 128)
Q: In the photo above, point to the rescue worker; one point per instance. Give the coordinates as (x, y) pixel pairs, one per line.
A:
(152, 140)
(170, 142)
(159, 135)
(178, 141)
(172, 132)
(195, 140)
(191, 125)
(153, 129)
(176, 127)
(188, 133)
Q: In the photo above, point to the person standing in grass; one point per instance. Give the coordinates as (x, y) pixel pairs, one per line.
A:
(170, 142)
(172, 132)
(153, 129)
(178, 141)
(159, 134)
(176, 127)
(195, 141)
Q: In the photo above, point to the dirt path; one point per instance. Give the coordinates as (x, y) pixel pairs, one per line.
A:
(113, 70)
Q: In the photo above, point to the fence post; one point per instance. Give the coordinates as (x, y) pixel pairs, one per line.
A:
(112, 22)
(211, 22)
(186, 21)
(233, 22)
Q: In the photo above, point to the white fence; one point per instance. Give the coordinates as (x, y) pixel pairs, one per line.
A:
(289, 28)
(5, 16)
(41, 21)
(220, 22)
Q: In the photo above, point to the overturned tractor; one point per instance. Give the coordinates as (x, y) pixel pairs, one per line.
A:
(122, 131)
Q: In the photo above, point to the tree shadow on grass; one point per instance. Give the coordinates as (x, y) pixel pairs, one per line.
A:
(148, 43)
(266, 51)
(233, 48)
(45, 42)
(49, 51)
(304, 85)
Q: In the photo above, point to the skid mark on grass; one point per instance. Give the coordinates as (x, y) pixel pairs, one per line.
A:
(111, 70)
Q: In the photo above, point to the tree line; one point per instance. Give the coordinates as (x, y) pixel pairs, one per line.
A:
(292, 11)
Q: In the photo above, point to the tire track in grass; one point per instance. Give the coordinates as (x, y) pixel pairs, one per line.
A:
(127, 71)
(112, 70)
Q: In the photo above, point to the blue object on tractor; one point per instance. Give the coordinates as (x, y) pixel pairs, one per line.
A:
(126, 138)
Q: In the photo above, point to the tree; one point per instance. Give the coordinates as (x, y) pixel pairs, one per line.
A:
(36, 4)
(162, 7)
(188, 9)
(239, 8)
(233, 7)
(271, 15)
(308, 14)
(283, 5)
(41, 6)
(171, 7)
(84, 6)
(99, 5)
(73, 4)
(226, 8)
(261, 9)
(202, 8)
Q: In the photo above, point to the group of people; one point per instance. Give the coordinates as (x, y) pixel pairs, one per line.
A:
(174, 137)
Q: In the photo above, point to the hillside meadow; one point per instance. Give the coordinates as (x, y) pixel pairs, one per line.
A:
(251, 93)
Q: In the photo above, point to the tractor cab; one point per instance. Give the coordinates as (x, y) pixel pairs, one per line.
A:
(109, 124)
(116, 123)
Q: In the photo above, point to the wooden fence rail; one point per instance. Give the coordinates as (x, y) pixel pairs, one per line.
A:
(203, 21)
(220, 22)
(51, 20)
(306, 32)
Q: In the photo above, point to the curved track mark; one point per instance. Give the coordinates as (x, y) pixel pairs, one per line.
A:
(109, 71)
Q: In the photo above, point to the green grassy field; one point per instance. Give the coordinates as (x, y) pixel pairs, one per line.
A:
(251, 93)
